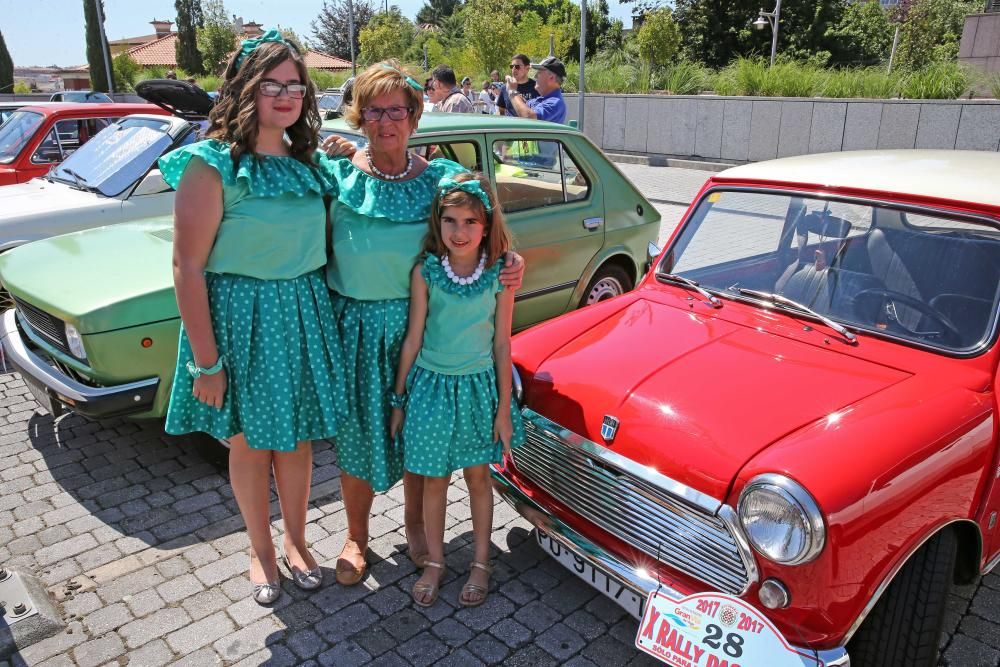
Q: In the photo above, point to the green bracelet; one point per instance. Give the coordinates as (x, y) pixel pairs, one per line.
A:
(397, 400)
(196, 370)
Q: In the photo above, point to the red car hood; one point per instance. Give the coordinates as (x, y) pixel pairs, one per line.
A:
(696, 397)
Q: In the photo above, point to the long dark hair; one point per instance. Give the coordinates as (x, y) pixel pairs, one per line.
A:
(234, 117)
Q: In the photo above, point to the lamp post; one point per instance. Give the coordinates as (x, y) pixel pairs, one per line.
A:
(583, 55)
(772, 19)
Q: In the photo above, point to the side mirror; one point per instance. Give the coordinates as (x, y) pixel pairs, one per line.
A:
(652, 252)
(152, 184)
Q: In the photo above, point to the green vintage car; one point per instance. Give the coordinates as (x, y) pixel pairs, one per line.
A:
(95, 324)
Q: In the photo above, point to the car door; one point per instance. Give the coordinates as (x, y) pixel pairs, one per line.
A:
(555, 208)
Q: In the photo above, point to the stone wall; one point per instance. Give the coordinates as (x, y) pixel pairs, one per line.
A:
(980, 45)
(748, 129)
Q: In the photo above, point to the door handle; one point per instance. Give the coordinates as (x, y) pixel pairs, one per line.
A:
(592, 223)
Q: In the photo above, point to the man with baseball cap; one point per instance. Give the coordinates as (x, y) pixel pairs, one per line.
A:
(549, 104)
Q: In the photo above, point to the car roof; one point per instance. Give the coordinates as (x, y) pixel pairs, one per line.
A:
(109, 108)
(964, 176)
(459, 122)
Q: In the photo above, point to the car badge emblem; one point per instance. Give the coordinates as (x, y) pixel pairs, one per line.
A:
(609, 428)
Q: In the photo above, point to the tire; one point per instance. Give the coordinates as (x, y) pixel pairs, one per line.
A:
(609, 281)
(904, 628)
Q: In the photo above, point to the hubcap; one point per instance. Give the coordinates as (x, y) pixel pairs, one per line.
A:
(604, 289)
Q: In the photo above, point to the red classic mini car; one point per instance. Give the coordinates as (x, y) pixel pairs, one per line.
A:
(796, 408)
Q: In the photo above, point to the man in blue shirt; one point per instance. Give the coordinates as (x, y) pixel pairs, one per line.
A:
(549, 104)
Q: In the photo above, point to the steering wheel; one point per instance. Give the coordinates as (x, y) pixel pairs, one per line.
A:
(925, 309)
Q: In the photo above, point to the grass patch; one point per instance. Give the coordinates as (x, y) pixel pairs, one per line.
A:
(939, 81)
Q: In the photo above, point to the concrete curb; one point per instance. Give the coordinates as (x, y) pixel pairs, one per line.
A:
(667, 161)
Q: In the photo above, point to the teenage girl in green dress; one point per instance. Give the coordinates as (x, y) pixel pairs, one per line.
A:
(454, 377)
(259, 362)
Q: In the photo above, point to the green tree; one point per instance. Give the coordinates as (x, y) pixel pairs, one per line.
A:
(659, 37)
(95, 53)
(434, 12)
(930, 31)
(216, 37)
(6, 68)
(189, 19)
(293, 37)
(330, 28)
(20, 87)
(387, 35)
(126, 71)
(490, 35)
(864, 33)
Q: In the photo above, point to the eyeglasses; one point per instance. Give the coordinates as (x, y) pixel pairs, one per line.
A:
(516, 66)
(374, 114)
(296, 91)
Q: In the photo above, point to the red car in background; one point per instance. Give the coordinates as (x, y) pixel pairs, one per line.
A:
(796, 408)
(34, 138)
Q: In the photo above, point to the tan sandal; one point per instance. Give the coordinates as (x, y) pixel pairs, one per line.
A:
(423, 589)
(348, 574)
(475, 589)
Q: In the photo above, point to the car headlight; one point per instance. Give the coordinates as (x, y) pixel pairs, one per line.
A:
(75, 342)
(781, 520)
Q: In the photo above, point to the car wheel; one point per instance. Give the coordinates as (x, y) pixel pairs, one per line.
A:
(609, 281)
(904, 628)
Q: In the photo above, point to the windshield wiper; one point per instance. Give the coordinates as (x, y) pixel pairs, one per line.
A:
(710, 298)
(80, 180)
(781, 300)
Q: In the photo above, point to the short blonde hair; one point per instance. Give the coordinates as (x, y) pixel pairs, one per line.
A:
(384, 78)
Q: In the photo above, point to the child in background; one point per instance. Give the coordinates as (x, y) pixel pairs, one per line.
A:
(454, 377)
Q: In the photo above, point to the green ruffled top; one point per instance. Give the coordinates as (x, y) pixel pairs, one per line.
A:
(458, 334)
(274, 220)
(378, 227)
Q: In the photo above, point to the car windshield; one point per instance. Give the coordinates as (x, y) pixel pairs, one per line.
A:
(330, 101)
(85, 97)
(16, 132)
(926, 277)
(118, 156)
(358, 140)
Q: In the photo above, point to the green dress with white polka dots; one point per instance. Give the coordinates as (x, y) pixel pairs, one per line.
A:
(270, 307)
(378, 226)
(451, 390)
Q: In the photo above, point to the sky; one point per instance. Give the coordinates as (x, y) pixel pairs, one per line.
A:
(50, 32)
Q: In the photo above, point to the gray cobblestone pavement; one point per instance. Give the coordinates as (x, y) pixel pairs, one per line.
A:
(139, 541)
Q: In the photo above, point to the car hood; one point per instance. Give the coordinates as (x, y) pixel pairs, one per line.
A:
(39, 197)
(99, 279)
(702, 398)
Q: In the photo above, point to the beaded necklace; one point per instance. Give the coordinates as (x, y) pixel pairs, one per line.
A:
(458, 280)
(389, 177)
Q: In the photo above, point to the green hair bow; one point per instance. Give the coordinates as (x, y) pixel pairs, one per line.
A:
(413, 83)
(247, 46)
(473, 187)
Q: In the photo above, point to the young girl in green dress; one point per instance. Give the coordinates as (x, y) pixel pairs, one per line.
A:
(259, 361)
(454, 376)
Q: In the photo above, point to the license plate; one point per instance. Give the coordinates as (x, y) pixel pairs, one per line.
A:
(599, 579)
(41, 395)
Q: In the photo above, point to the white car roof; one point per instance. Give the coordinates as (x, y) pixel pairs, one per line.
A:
(965, 176)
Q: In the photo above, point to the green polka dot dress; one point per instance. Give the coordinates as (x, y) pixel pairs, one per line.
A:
(451, 390)
(377, 231)
(270, 307)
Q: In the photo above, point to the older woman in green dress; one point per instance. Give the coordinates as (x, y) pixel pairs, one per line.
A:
(379, 218)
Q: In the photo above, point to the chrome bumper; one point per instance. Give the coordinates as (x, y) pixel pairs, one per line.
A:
(93, 402)
(624, 574)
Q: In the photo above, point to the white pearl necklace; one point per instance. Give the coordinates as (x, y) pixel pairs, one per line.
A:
(390, 177)
(458, 280)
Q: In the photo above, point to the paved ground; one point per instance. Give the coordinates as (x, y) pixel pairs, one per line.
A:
(138, 538)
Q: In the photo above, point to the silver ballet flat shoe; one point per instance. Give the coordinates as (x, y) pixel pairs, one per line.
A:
(307, 580)
(265, 594)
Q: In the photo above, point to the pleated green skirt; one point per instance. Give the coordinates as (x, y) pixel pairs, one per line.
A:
(449, 422)
(284, 366)
(371, 336)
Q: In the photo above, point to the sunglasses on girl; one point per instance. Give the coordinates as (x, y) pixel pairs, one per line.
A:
(375, 114)
(296, 91)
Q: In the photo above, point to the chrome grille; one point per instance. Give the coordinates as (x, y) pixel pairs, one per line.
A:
(48, 327)
(687, 538)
